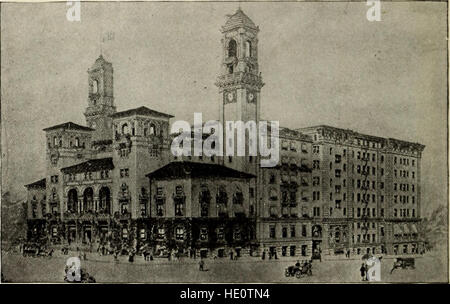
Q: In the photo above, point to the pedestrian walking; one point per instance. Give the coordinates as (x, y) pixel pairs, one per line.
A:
(201, 265)
(363, 272)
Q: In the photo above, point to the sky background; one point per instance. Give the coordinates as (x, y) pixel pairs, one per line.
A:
(323, 63)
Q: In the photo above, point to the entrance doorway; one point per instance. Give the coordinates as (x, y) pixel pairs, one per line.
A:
(72, 235)
(87, 234)
(204, 253)
(316, 249)
(220, 253)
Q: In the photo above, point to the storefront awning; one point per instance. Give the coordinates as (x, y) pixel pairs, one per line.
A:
(414, 229)
(397, 230)
(405, 229)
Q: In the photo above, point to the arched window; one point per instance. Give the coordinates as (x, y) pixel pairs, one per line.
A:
(55, 141)
(54, 195)
(77, 142)
(88, 199)
(248, 49)
(152, 129)
(232, 48)
(125, 129)
(105, 200)
(95, 86)
(205, 198)
(73, 200)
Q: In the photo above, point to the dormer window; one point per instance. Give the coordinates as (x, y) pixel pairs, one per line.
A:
(152, 129)
(125, 129)
(95, 86)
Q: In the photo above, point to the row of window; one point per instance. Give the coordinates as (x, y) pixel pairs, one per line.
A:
(358, 225)
(284, 231)
(404, 161)
(124, 172)
(285, 145)
(404, 187)
(58, 142)
(366, 197)
(365, 238)
(103, 174)
(404, 199)
(404, 213)
(404, 174)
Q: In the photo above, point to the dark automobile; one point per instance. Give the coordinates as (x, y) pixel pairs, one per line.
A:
(403, 263)
(31, 249)
(85, 277)
(299, 270)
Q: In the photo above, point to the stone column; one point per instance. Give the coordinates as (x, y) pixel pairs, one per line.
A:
(96, 205)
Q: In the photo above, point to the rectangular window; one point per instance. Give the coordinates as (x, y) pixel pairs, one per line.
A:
(272, 232)
(316, 149)
(292, 251)
(179, 233)
(304, 250)
(142, 234)
(124, 172)
(284, 232)
(252, 192)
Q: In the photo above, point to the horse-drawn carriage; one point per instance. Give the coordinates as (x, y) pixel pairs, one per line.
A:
(403, 263)
(85, 277)
(31, 249)
(299, 270)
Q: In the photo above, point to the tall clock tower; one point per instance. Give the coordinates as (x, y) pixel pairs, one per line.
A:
(239, 81)
(100, 99)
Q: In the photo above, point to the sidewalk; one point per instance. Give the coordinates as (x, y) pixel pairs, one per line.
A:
(139, 260)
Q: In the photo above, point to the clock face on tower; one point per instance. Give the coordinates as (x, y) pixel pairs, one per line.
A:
(229, 97)
(251, 97)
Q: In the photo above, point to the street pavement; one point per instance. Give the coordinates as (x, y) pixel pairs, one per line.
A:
(431, 267)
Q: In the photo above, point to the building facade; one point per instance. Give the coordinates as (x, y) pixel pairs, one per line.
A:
(115, 182)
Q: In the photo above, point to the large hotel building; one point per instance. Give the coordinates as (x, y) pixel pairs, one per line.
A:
(115, 181)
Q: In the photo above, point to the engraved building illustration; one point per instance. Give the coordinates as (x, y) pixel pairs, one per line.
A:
(116, 182)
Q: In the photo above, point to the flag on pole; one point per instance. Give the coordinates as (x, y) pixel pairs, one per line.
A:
(108, 36)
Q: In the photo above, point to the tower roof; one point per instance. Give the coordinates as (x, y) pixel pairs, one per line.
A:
(239, 19)
(140, 111)
(38, 184)
(91, 165)
(100, 62)
(69, 126)
(184, 169)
